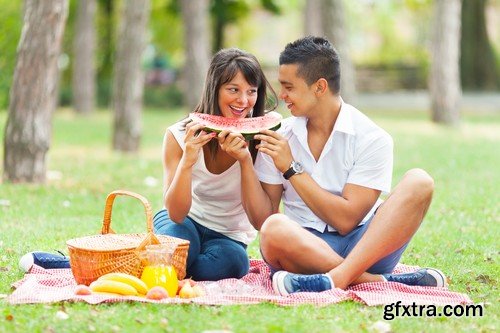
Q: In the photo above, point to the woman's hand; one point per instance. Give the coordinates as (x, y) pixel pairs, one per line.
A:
(195, 139)
(234, 145)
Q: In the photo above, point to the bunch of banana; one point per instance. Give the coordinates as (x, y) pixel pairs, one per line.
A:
(119, 283)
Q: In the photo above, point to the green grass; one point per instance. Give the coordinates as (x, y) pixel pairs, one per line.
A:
(459, 235)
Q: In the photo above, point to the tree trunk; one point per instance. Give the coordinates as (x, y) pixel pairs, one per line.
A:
(83, 55)
(312, 18)
(478, 68)
(333, 21)
(129, 76)
(104, 64)
(218, 36)
(195, 18)
(33, 95)
(444, 80)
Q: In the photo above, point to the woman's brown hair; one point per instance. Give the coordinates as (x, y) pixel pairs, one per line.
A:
(223, 68)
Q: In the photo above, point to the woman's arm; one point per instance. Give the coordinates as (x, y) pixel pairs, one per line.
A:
(258, 200)
(177, 170)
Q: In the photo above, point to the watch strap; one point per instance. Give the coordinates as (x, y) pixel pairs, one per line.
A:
(289, 173)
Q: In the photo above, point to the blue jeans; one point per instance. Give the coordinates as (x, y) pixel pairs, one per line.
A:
(212, 256)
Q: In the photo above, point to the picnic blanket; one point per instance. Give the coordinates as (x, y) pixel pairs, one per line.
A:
(55, 285)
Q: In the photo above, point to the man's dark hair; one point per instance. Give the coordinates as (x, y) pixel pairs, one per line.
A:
(316, 58)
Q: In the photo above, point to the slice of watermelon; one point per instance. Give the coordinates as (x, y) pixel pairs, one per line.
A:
(248, 127)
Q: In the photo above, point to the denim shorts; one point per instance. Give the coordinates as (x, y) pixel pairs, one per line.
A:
(343, 245)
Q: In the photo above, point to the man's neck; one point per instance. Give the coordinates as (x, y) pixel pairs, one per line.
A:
(325, 115)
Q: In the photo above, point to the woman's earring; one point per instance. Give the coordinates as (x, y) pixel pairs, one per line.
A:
(250, 114)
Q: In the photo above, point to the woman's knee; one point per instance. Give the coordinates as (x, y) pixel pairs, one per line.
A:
(186, 230)
(163, 225)
(220, 259)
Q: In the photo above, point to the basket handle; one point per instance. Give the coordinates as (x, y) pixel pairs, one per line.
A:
(106, 224)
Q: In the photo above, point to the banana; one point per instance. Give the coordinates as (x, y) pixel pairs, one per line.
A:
(131, 280)
(115, 287)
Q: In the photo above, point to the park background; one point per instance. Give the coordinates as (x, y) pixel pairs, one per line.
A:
(391, 48)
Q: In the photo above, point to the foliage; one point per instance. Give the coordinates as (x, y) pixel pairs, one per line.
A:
(11, 21)
(166, 30)
(458, 235)
(388, 29)
(226, 12)
(382, 33)
(479, 70)
(163, 96)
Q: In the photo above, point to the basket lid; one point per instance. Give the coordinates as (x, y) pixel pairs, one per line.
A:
(107, 242)
(115, 242)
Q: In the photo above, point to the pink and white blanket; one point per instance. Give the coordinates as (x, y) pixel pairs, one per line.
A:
(55, 285)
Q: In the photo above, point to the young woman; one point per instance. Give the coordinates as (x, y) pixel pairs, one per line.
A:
(202, 171)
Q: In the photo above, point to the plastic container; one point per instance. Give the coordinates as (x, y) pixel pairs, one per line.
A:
(158, 270)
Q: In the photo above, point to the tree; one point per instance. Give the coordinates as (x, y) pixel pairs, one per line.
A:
(84, 77)
(336, 31)
(128, 76)
(327, 17)
(478, 68)
(444, 80)
(225, 12)
(10, 31)
(195, 18)
(33, 96)
(107, 16)
(312, 18)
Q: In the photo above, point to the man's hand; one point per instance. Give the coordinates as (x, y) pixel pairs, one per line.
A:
(276, 146)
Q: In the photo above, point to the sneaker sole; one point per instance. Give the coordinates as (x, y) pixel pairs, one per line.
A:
(278, 285)
(439, 276)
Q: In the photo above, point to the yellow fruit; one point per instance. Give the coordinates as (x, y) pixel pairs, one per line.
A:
(115, 287)
(182, 282)
(187, 291)
(131, 280)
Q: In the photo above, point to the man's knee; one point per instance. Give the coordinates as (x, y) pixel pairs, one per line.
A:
(271, 232)
(420, 183)
(273, 225)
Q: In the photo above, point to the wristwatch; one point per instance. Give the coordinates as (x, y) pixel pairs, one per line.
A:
(295, 168)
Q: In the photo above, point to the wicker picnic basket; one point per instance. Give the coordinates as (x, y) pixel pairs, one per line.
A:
(93, 256)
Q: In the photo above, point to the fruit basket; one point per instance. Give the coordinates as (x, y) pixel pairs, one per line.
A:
(94, 256)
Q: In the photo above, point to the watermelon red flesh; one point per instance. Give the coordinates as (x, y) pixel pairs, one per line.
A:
(246, 126)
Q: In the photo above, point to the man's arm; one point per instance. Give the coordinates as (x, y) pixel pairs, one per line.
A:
(341, 212)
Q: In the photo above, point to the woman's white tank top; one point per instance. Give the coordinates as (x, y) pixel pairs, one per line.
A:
(216, 198)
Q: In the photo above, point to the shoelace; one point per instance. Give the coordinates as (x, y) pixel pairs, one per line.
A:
(309, 282)
(409, 278)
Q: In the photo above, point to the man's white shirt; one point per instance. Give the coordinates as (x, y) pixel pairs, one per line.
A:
(357, 152)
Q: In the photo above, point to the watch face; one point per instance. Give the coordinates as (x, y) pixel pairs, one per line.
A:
(297, 167)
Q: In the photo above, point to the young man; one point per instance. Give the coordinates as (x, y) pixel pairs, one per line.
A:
(329, 164)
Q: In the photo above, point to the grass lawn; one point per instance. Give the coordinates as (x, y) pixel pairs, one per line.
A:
(458, 235)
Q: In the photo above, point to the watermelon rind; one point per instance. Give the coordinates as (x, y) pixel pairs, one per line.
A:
(247, 134)
(250, 135)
